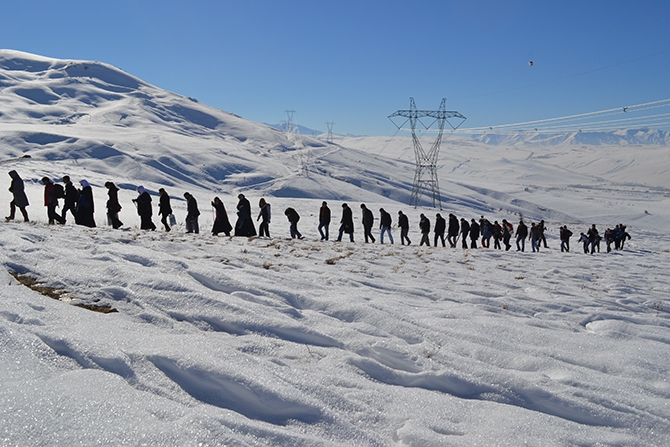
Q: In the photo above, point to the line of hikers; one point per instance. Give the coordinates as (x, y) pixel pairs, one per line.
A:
(79, 202)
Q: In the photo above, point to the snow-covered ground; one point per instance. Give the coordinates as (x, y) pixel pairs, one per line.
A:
(237, 341)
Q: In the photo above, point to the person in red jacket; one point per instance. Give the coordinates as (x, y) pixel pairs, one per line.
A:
(51, 202)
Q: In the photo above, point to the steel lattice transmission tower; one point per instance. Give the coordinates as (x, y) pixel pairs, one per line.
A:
(425, 176)
(290, 129)
(329, 138)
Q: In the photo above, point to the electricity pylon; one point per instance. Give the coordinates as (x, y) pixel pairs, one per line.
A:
(289, 122)
(425, 175)
(329, 138)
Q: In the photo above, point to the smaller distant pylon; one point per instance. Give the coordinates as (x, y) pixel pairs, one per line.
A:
(329, 137)
(290, 129)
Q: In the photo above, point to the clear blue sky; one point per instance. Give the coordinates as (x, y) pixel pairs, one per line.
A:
(356, 62)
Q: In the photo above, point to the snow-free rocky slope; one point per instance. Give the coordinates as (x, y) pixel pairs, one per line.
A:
(241, 342)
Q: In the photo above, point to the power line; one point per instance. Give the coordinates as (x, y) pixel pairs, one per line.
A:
(612, 118)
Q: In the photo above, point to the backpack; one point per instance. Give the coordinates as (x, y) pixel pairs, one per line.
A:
(59, 191)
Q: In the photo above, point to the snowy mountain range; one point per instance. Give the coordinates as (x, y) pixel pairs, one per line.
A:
(105, 119)
(624, 137)
(210, 340)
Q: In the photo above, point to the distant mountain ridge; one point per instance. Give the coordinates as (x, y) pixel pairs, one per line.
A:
(302, 130)
(623, 137)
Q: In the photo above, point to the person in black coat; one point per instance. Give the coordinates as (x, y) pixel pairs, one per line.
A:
(164, 208)
(465, 232)
(440, 227)
(474, 233)
(85, 205)
(192, 213)
(594, 237)
(620, 236)
(385, 223)
(70, 202)
(508, 230)
(245, 224)
(452, 230)
(265, 215)
(113, 205)
(424, 226)
(403, 223)
(20, 200)
(368, 222)
(324, 221)
(535, 237)
(293, 218)
(221, 222)
(143, 203)
(521, 235)
(346, 223)
(497, 232)
(565, 235)
(543, 238)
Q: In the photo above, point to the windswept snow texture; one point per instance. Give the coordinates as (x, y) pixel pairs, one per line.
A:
(279, 342)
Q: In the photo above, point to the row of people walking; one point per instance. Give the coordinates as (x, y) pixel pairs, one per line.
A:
(79, 202)
(616, 236)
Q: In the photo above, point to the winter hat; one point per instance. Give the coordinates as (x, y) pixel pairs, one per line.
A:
(84, 183)
(141, 190)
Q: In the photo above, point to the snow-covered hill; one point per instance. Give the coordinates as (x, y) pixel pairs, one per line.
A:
(255, 341)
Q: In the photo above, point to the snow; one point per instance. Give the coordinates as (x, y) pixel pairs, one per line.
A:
(252, 341)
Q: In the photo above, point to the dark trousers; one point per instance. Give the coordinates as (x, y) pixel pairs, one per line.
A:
(53, 215)
(191, 225)
(368, 233)
(113, 220)
(69, 207)
(164, 221)
(294, 230)
(351, 235)
(439, 236)
(452, 240)
(403, 236)
(12, 212)
(264, 229)
(565, 245)
(324, 234)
